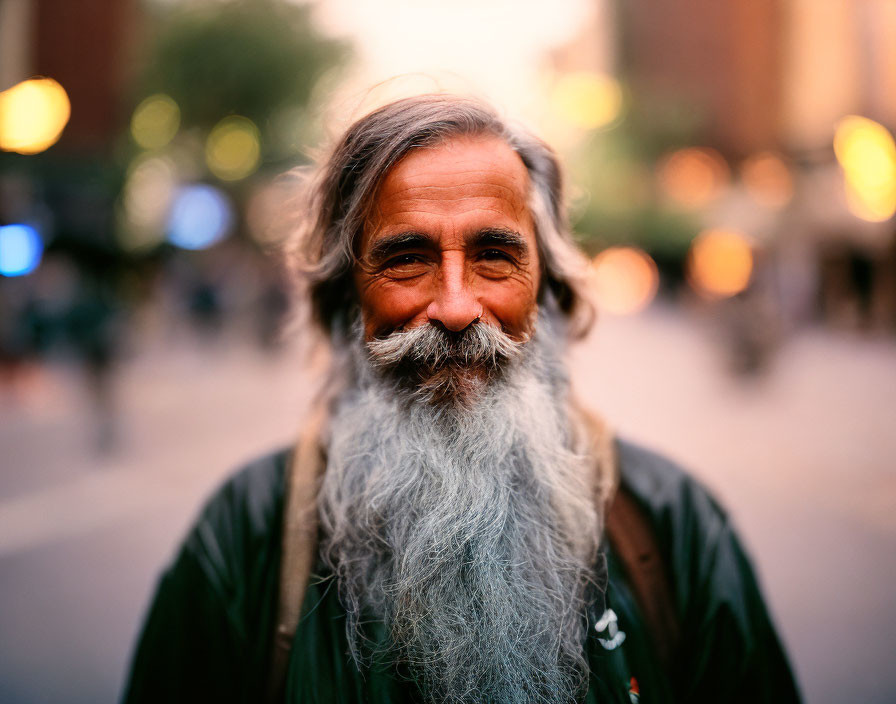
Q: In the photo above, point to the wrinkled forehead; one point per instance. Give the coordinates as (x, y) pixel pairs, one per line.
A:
(463, 173)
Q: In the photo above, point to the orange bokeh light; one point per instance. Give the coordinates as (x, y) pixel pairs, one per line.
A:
(768, 179)
(720, 263)
(33, 114)
(588, 100)
(692, 177)
(624, 280)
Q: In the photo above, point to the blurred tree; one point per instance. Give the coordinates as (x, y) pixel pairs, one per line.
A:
(223, 96)
(616, 168)
(255, 58)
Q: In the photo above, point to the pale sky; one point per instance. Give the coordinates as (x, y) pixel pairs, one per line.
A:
(495, 48)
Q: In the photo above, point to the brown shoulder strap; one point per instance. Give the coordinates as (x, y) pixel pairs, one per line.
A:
(299, 545)
(632, 538)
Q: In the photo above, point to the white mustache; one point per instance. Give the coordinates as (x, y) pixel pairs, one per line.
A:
(431, 348)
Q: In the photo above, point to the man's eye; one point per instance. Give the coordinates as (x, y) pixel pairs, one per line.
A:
(495, 264)
(404, 259)
(495, 255)
(405, 266)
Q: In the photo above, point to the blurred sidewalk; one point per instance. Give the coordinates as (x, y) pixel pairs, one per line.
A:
(803, 458)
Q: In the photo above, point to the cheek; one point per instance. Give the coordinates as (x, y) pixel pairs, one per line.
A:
(388, 305)
(512, 305)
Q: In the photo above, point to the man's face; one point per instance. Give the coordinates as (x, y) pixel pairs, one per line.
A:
(450, 240)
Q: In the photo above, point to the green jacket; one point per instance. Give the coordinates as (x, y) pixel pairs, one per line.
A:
(207, 636)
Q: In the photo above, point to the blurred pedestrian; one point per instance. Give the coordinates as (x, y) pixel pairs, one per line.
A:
(94, 333)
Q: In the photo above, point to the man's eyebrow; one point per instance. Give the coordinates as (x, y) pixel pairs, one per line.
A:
(499, 237)
(385, 247)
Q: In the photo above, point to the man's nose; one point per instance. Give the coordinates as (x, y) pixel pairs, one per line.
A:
(454, 305)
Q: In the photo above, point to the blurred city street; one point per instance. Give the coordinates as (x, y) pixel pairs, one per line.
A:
(802, 457)
(731, 179)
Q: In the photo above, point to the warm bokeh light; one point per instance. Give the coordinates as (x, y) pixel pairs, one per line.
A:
(200, 216)
(155, 121)
(872, 207)
(33, 114)
(867, 153)
(692, 177)
(21, 249)
(146, 200)
(271, 211)
(624, 280)
(768, 179)
(588, 100)
(720, 263)
(233, 148)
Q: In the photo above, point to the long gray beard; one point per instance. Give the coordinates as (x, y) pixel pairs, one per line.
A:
(468, 529)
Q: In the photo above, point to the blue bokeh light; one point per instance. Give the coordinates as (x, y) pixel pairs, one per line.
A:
(21, 249)
(200, 216)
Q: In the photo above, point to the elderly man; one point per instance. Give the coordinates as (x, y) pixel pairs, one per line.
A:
(454, 526)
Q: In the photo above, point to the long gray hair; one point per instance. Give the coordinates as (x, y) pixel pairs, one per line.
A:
(338, 197)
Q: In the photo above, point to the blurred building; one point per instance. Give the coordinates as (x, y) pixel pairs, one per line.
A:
(764, 73)
(85, 46)
(64, 68)
(839, 58)
(764, 84)
(724, 59)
